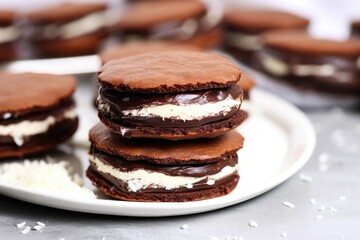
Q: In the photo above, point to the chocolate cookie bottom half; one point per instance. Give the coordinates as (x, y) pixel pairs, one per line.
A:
(143, 181)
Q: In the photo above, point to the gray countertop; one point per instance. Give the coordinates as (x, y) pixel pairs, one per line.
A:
(325, 192)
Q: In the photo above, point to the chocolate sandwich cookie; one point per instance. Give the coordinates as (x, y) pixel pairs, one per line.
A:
(184, 21)
(243, 28)
(247, 83)
(36, 113)
(170, 95)
(355, 29)
(160, 170)
(9, 34)
(68, 30)
(309, 63)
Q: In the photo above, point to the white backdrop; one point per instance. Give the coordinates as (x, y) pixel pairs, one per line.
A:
(329, 18)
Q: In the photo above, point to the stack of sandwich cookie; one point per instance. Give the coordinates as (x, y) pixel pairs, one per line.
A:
(39, 118)
(190, 97)
(314, 64)
(176, 95)
(68, 29)
(9, 34)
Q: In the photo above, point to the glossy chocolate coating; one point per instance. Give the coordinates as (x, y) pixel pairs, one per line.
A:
(119, 102)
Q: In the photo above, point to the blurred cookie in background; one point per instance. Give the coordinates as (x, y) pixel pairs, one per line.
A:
(355, 28)
(247, 83)
(67, 30)
(309, 63)
(9, 34)
(244, 26)
(186, 21)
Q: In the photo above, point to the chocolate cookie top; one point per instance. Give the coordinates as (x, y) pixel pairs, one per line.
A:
(6, 18)
(301, 42)
(64, 13)
(145, 14)
(254, 20)
(26, 91)
(165, 152)
(161, 72)
(141, 47)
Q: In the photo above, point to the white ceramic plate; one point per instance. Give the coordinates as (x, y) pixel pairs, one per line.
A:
(279, 140)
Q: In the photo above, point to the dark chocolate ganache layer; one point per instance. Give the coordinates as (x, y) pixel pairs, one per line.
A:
(112, 104)
(37, 114)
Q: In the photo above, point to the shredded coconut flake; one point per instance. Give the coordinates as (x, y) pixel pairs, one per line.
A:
(284, 235)
(253, 224)
(43, 175)
(312, 201)
(41, 224)
(25, 230)
(343, 198)
(20, 225)
(288, 204)
(322, 208)
(305, 178)
(184, 226)
(37, 227)
(318, 217)
(332, 209)
(323, 157)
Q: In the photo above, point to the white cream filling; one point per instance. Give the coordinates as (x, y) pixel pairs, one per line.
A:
(186, 112)
(142, 179)
(80, 27)
(28, 128)
(8, 34)
(281, 68)
(244, 41)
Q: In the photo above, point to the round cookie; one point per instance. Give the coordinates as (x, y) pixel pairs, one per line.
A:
(176, 95)
(246, 84)
(68, 29)
(310, 63)
(36, 113)
(9, 34)
(243, 28)
(185, 21)
(140, 170)
(355, 28)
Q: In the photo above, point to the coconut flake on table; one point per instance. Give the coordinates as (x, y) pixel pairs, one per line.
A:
(288, 204)
(52, 177)
(253, 224)
(305, 178)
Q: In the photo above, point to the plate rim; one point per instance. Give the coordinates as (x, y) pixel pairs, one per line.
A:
(147, 209)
